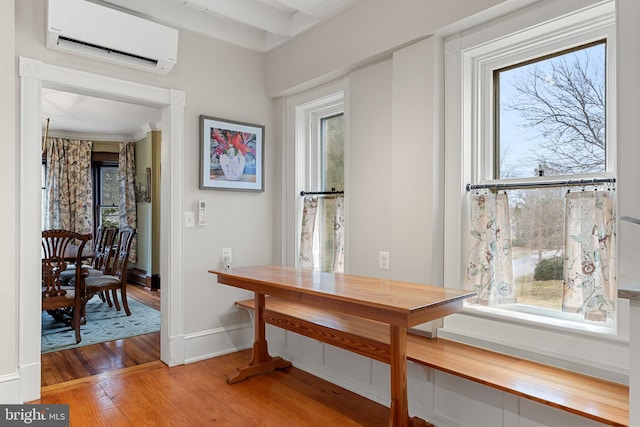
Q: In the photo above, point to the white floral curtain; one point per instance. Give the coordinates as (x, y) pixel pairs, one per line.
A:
(590, 281)
(69, 195)
(490, 271)
(309, 211)
(338, 236)
(127, 207)
(308, 250)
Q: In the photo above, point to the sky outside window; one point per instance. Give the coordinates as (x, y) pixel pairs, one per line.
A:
(552, 115)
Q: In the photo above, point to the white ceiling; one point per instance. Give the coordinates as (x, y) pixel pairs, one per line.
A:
(254, 24)
(84, 116)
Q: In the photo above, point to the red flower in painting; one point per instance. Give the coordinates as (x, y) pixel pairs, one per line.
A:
(232, 142)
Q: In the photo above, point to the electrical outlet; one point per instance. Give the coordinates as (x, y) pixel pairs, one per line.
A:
(383, 260)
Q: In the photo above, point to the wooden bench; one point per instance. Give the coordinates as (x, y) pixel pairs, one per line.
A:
(600, 400)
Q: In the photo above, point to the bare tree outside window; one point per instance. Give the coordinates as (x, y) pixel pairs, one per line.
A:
(552, 115)
(550, 121)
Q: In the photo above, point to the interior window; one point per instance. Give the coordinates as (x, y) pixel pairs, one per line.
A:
(107, 194)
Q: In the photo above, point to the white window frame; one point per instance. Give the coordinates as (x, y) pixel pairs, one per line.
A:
(303, 136)
(470, 58)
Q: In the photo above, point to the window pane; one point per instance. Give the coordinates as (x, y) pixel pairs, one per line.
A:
(537, 222)
(333, 152)
(109, 183)
(109, 216)
(332, 178)
(551, 115)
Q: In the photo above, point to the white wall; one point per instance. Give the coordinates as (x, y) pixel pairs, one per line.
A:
(219, 80)
(365, 32)
(8, 216)
(370, 167)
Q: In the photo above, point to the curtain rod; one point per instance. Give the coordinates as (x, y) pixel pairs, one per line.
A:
(333, 192)
(558, 183)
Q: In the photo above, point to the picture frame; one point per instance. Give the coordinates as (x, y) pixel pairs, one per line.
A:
(231, 155)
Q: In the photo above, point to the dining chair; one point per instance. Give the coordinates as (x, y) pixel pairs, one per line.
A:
(102, 250)
(116, 279)
(59, 249)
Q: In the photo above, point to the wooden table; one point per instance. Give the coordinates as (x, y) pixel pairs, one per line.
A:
(399, 304)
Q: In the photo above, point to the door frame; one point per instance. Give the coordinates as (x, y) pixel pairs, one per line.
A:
(34, 75)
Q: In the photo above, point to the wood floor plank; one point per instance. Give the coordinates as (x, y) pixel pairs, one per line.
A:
(67, 365)
(197, 395)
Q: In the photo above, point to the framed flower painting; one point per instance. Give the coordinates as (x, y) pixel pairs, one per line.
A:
(231, 155)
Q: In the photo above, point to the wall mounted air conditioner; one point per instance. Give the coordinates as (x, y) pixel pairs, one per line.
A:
(88, 29)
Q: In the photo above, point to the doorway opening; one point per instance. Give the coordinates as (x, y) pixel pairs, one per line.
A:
(34, 75)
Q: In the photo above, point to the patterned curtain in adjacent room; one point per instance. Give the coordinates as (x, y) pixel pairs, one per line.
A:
(127, 174)
(69, 195)
(490, 270)
(590, 281)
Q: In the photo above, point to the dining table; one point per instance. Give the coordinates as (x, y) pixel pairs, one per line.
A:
(399, 304)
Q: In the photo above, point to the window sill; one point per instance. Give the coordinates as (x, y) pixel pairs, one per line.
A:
(563, 323)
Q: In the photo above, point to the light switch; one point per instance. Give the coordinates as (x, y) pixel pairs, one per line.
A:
(190, 219)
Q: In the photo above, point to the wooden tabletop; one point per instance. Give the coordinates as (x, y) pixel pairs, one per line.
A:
(390, 301)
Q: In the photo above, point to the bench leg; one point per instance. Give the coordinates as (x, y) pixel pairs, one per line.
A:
(261, 362)
(398, 364)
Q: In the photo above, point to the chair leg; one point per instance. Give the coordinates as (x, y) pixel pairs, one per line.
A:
(76, 321)
(114, 295)
(125, 303)
(107, 297)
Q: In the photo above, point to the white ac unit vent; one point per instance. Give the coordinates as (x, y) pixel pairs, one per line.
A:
(88, 29)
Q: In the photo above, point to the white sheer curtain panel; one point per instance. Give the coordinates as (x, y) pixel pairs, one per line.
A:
(338, 236)
(309, 211)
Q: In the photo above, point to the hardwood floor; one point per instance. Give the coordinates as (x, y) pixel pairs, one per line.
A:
(197, 395)
(101, 358)
(123, 383)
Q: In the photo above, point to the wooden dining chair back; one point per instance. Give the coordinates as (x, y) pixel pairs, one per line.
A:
(117, 277)
(59, 249)
(104, 249)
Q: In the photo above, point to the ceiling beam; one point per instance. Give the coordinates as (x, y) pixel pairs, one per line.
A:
(173, 13)
(250, 12)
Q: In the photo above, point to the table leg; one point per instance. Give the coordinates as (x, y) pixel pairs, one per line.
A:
(260, 362)
(398, 363)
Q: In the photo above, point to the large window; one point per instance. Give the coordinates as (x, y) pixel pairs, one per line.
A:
(542, 151)
(320, 147)
(550, 122)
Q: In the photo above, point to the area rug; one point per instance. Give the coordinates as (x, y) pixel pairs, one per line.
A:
(104, 324)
